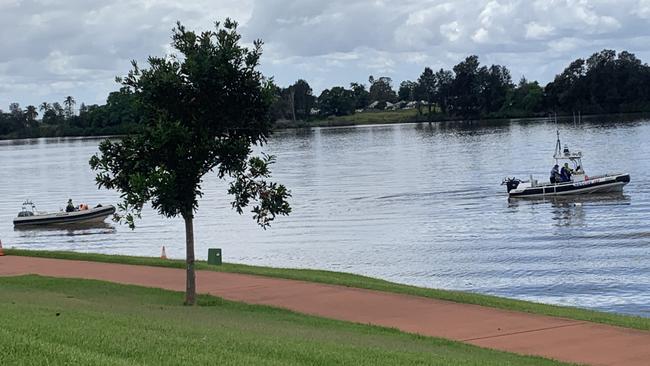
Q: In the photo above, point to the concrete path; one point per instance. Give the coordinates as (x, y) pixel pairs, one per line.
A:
(561, 339)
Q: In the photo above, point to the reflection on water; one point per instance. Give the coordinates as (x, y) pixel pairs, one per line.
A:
(70, 228)
(420, 204)
(571, 210)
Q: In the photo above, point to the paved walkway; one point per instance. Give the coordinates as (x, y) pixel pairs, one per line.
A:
(561, 339)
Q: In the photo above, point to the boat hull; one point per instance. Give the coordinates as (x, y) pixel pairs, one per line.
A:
(604, 184)
(93, 215)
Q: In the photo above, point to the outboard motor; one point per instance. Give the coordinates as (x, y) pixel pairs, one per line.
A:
(511, 183)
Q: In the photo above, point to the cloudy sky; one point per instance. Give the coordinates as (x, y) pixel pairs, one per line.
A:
(50, 49)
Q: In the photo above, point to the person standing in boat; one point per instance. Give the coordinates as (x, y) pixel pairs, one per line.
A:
(70, 206)
(566, 172)
(555, 174)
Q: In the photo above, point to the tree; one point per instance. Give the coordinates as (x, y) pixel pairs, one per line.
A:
(45, 106)
(568, 89)
(361, 95)
(31, 113)
(407, 89)
(523, 100)
(338, 101)
(69, 104)
(495, 83)
(444, 81)
(301, 99)
(203, 110)
(381, 89)
(58, 110)
(428, 85)
(465, 88)
(15, 110)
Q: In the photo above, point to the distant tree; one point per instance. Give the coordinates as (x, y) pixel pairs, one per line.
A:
(31, 113)
(338, 101)
(43, 107)
(15, 110)
(568, 90)
(466, 88)
(428, 85)
(280, 107)
(523, 100)
(121, 108)
(381, 90)
(50, 117)
(69, 104)
(361, 95)
(60, 112)
(444, 83)
(407, 90)
(301, 99)
(495, 83)
(202, 112)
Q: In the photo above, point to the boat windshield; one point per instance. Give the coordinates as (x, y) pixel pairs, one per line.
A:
(563, 155)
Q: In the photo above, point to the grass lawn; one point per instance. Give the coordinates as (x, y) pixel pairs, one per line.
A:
(380, 117)
(361, 118)
(50, 321)
(352, 280)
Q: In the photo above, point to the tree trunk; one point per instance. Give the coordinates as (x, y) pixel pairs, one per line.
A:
(190, 289)
(292, 93)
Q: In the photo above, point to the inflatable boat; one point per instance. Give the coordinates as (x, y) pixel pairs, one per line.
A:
(83, 214)
(578, 182)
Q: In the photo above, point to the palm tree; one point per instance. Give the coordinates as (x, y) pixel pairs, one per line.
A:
(45, 106)
(31, 113)
(69, 103)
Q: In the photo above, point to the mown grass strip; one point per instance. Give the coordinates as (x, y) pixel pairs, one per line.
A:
(357, 281)
(52, 321)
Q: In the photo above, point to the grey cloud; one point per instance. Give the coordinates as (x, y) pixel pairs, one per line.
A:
(51, 49)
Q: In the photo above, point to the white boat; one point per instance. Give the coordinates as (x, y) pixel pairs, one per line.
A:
(580, 182)
(30, 216)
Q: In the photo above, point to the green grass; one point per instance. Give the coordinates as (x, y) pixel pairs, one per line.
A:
(361, 118)
(381, 117)
(49, 321)
(352, 280)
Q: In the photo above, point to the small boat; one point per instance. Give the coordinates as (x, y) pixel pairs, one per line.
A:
(84, 214)
(580, 182)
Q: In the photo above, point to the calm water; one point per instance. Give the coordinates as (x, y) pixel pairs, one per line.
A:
(416, 204)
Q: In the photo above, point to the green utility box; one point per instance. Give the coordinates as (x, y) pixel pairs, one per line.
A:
(214, 256)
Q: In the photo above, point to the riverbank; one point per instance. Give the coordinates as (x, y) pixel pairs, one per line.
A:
(71, 321)
(357, 119)
(411, 116)
(362, 282)
(556, 338)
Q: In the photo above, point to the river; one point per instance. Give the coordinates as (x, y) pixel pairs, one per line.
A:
(412, 203)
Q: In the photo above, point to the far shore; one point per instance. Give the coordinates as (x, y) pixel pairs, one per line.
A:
(380, 118)
(411, 116)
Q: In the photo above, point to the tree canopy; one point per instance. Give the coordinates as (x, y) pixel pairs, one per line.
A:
(201, 111)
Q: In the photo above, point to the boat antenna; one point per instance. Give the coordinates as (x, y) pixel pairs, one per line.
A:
(558, 145)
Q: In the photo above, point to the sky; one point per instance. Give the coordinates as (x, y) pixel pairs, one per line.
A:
(50, 49)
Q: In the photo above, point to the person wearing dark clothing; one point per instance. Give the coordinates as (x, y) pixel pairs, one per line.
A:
(70, 206)
(565, 173)
(555, 174)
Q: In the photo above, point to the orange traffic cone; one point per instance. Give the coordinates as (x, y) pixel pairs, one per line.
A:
(163, 255)
(2, 252)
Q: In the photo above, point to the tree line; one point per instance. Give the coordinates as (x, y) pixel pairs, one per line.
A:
(605, 82)
(118, 116)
